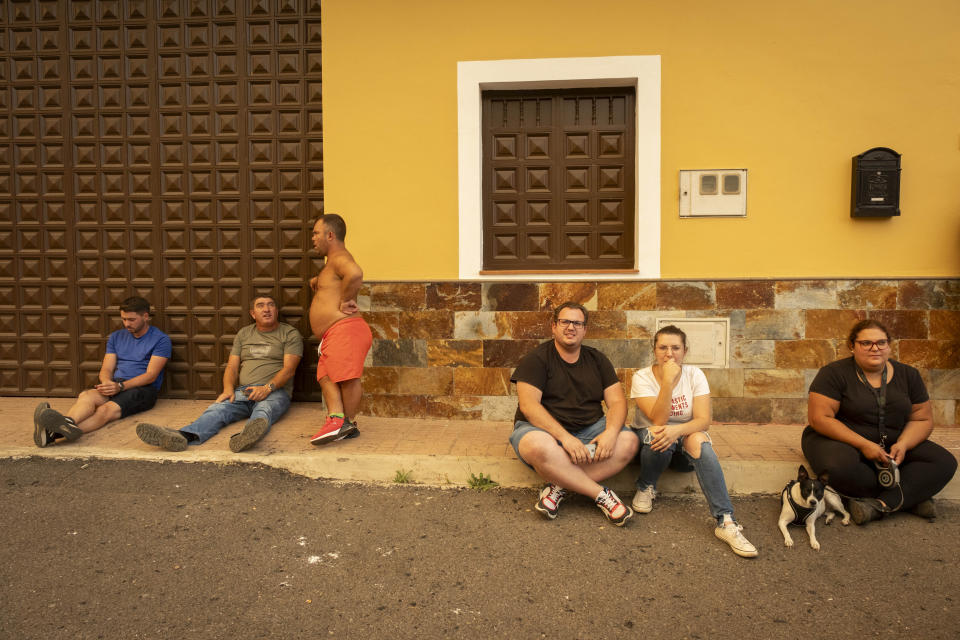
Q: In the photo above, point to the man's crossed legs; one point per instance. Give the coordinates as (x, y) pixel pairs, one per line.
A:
(543, 453)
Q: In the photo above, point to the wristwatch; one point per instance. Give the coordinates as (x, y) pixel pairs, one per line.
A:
(270, 386)
(120, 384)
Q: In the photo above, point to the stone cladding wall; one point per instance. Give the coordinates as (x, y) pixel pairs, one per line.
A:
(447, 349)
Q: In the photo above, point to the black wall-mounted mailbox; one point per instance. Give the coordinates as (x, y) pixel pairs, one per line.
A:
(876, 184)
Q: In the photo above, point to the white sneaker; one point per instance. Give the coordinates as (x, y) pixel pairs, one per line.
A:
(643, 500)
(729, 532)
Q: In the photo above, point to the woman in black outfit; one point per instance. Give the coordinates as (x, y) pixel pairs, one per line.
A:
(865, 412)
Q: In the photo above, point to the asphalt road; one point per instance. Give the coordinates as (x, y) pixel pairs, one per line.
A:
(113, 549)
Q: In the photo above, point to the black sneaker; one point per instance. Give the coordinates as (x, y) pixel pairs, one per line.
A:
(55, 422)
(41, 437)
(169, 439)
(864, 510)
(550, 498)
(251, 434)
(925, 509)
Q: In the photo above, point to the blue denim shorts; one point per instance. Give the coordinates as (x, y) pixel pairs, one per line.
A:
(585, 435)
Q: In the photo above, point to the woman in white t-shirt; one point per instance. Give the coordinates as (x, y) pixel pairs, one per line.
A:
(673, 411)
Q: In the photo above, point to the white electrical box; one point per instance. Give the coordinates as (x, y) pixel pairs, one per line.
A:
(713, 193)
(707, 340)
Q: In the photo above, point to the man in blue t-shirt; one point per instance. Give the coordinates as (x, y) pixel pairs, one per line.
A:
(130, 377)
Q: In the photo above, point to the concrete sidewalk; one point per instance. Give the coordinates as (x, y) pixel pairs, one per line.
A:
(755, 458)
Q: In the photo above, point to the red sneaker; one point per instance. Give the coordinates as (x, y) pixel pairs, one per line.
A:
(335, 428)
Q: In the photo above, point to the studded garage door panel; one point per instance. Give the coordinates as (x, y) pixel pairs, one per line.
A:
(164, 148)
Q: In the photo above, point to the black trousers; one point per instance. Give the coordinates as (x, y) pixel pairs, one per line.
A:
(926, 469)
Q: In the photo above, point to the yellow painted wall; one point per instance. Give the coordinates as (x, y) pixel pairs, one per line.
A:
(791, 91)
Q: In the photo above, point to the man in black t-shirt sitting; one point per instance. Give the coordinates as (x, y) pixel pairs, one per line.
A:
(560, 430)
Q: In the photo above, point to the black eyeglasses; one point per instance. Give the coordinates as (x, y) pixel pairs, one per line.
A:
(870, 344)
(578, 324)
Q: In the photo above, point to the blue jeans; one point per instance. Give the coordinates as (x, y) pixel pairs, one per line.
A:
(709, 474)
(220, 414)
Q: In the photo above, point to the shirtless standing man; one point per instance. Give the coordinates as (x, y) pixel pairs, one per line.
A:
(345, 338)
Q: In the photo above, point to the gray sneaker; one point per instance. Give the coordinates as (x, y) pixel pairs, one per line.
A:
(53, 421)
(41, 437)
(729, 532)
(251, 434)
(169, 439)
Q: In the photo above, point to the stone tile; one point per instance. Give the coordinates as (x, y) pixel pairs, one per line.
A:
(931, 354)
(910, 324)
(363, 297)
(752, 354)
(398, 296)
(725, 383)
(772, 324)
(399, 353)
(831, 324)
(746, 294)
(643, 324)
(790, 411)
(944, 384)
(394, 406)
(380, 380)
(454, 296)
(686, 295)
(944, 324)
(773, 383)
(626, 379)
(499, 408)
(510, 296)
(607, 324)
(479, 325)
(806, 294)
(624, 353)
(929, 294)
(627, 295)
(506, 353)
(427, 381)
(803, 354)
(426, 324)
(454, 407)
(944, 412)
(526, 324)
(867, 294)
(454, 353)
(383, 324)
(553, 294)
(482, 381)
(736, 318)
(742, 410)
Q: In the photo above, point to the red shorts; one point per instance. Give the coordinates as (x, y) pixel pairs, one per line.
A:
(343, 349)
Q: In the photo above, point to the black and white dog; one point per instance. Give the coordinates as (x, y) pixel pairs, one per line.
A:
(804, 500)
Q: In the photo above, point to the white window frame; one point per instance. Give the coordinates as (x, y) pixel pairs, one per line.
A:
(642, 72)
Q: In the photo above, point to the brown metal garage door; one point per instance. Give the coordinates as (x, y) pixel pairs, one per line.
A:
(164, 148)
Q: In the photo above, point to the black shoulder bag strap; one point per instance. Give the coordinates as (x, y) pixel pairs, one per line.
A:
(881, 396)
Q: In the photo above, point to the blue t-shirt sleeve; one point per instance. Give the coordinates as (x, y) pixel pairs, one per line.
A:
(164, 348)
(112, 343)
